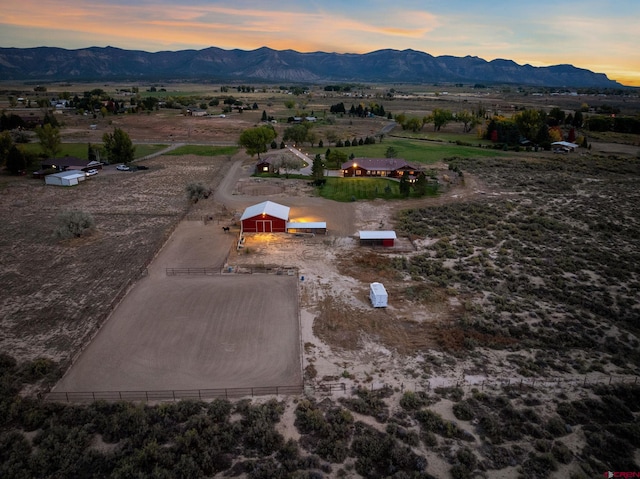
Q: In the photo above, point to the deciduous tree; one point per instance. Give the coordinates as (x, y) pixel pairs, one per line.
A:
(118, 146)
(440, 118)
(49, 138)
(296, 133)
(288, 164)
(255, 140)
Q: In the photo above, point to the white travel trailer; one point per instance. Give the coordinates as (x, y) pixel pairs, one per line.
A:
(378, 295)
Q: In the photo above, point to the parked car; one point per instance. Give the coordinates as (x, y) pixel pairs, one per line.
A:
(122, 168)
(91, 172)
(142, 167)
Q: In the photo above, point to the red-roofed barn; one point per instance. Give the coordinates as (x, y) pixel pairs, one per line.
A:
(265, 217)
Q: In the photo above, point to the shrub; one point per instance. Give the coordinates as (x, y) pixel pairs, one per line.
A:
(411, 401)
(538, 465)
(196, 191)
(556, 427)
(369, 403)
(466, 462)
(74, 224)
(561, 452)
(463, 411)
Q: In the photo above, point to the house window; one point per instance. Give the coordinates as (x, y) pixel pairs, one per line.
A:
(358, 172)
(265, 168)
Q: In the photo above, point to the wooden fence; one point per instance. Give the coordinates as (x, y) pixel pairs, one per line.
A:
(172, 395)
(331, 388)
(193, 271)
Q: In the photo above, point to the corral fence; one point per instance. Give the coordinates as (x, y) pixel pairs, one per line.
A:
(173, 395)
(488, 384)
(251, 269)
(332, 388)
(193, 271)
(263, 269)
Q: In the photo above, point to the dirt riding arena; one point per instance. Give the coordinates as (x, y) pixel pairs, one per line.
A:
(195, 331)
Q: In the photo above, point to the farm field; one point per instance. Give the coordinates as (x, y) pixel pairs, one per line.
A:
(509, 347)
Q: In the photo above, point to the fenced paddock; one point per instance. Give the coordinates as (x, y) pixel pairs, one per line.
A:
(186, 333)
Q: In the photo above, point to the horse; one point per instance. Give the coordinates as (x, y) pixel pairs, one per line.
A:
(225, 229)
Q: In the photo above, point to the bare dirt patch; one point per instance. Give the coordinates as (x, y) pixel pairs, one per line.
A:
(56, 294)
(195, 332)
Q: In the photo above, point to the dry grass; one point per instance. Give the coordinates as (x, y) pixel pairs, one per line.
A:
(56, 294)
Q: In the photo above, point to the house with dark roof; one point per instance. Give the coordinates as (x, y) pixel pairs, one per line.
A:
(69, 163)
(391, 167)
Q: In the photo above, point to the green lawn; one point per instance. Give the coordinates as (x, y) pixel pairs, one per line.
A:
(80, 150)
(204, 150)
(415, 150)
(350, 189)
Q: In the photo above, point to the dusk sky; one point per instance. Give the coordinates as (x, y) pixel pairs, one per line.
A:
(602, 36)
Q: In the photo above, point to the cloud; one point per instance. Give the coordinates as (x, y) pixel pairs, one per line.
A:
(582, 33)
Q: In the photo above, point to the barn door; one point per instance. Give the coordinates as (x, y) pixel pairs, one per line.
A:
(263, 226)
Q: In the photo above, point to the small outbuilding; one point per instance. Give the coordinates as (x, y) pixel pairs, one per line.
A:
(317, 227)
(265, 217)
(566, 146)
(378, 295)
(265, 165)
(65, 178)
(377, 238)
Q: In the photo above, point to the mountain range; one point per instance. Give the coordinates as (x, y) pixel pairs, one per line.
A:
(267, 65)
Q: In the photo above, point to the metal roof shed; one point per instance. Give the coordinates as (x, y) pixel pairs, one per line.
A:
(377, 238)
(65, 178)
(318, 227)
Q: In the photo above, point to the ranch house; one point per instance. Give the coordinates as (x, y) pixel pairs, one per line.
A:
(391, 167)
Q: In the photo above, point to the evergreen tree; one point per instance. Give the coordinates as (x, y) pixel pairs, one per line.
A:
(317, 168)
(405, 187)
(421, 184)
(16, 161)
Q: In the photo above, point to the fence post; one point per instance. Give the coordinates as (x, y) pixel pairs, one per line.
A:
(174, 395)
(94, 396)
(146, 395)
(67, 396)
